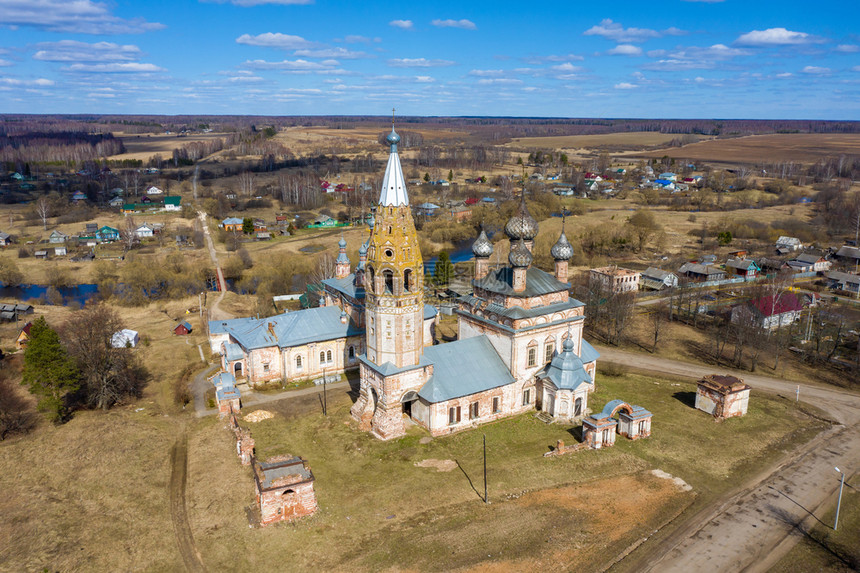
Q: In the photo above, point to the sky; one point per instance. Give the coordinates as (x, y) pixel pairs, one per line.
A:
(758, 59)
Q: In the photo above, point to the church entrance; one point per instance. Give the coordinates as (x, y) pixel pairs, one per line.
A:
(406, 402)
(237, 369)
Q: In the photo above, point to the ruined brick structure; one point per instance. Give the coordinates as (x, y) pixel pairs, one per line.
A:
(599, 430)
(227, 396)
(285, 489)
(244, 442)
(722, 396)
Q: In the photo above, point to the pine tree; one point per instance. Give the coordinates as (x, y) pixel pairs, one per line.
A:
(444, 271)
(49, 372)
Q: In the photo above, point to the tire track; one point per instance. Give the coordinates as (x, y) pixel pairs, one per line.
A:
(178, 512)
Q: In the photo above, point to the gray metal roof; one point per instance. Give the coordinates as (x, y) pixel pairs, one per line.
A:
(284, 472)
(810, 258)
(538, 282)
(288, 329)
(462, 368)
(518, 312)
(346, 286)
(233, 352)
(656, 274)
(587, 353)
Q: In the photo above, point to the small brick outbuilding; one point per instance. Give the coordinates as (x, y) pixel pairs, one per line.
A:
(285, 489)
(722, 396)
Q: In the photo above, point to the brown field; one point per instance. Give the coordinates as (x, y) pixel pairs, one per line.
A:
(144, 146)
(799, 147)
(304, 139)
(635, 139)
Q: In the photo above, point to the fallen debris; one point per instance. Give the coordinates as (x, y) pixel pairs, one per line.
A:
(440, 465)
(258, 416)
(682, 485)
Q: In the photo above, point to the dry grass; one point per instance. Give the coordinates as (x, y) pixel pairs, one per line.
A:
(640, 139)
(144, 146)
(800, 147)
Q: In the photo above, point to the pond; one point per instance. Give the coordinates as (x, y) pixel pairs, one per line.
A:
(462, 253)
(80, 294)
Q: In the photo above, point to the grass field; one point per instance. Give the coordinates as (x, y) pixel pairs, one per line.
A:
(144, 146)
(638, 139)
(799, 147)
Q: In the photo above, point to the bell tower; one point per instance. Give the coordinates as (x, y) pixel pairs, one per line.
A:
(395, 274)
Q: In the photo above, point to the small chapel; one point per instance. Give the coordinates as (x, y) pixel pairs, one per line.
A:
(520, 340)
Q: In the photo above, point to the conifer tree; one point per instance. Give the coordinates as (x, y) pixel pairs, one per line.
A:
(444, 271)
(49, 372)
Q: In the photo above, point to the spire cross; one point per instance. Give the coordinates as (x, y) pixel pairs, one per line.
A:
(392, 116)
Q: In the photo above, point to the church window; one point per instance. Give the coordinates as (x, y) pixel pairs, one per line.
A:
(577, 407)
(265, 367)
(473, 410)
(372, 278)
(322, 357)
(328, 356)
(532, 356)
(454, 415)
(298, 362)
(389, 281)
(389, 253)
(350, 353)
(407, 280)
(496, 405)
(548, 350)
(527, 397)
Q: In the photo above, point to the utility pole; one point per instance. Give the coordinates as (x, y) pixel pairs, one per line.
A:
(325, 396)
(839, 502)
(486, 499)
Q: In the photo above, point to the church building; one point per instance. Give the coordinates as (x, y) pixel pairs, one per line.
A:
(519, 347)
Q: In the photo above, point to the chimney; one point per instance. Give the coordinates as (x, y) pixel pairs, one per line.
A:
(561, 271)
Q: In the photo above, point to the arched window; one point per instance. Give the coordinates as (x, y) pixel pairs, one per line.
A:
(407, 280)
(328, 356)
(370, 285)
(389, 281)
(532, 354)
(298, 362)
(350, 353)
(322, 357)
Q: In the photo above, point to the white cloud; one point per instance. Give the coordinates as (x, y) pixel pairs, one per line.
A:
(675, 65)
(487, 73)
(567, 67)
(402, 24)
(855, 69)
(463, 24)
(715, 52)
(341, 53)
(356, 39)
(5, 63)
(291, 65)
(537, 60)
(74, 51)
(848, 48)
(76, 17)
(625, 50)
(626, 86)
(499, 81)
(130, 67)
(784, 75)
(815, 70)
(244, 78)
(275, 40)
(615, 31)
(41, 82)
(424, 79)
(418, 63)
(673, 31)
(775, 37)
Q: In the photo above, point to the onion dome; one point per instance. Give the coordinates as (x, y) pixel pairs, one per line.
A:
(393, 139)
(522, 225)
(562, 250)
(567, 345)
(342, 242)
(362, 250)
(482, 247)
(520, 255)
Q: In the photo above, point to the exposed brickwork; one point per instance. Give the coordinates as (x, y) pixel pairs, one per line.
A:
(722, 396)
(289, 495)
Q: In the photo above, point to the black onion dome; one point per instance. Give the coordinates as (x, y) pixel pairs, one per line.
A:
(520, 255)
(482, 247)
(522, 225)
(562, 250)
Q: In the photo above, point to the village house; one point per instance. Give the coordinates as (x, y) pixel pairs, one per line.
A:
(125, 338)
(700, 272)
(144, 231)
(848, 255)
(232, 224)
(847, 282)
(173, 203)
(107, 234)
(769, 311)
(722, 396)
(23, 337)
(154, 191)
(57, 237)
(810, 262)
(5, 239)
(427, 209)
(182, 329)
(743, 268)
(614, 279)
(658, 279)
(786, 245)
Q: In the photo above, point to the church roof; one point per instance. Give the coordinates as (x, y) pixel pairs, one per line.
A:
(567, 370)
(233, 352)
(538, 282)
(462, 368)
(346, 286)
(288, 329)
(393, 183)
(518, 312)
(587, 353)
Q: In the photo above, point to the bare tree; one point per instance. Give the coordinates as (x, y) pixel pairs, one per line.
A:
(109, 374)
(658, 319)
(43, 209)
(246, 183)
(325, 268)
(127, 233)
(135, 181)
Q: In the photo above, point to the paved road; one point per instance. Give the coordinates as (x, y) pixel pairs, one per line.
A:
(765, 517)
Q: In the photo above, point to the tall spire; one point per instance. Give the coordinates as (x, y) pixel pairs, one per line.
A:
(393, 183)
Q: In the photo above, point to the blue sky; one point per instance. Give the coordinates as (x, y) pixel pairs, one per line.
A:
(673, 58)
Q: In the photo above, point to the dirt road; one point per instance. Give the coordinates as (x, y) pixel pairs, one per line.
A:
(215, 313)
(757, 525)
(178, 512)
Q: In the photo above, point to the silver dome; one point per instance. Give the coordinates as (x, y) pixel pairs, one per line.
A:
(562, 250)
(482, 247)
(520, 255)
(522, 225)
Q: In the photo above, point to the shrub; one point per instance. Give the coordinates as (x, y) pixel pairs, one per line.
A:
(613, 369)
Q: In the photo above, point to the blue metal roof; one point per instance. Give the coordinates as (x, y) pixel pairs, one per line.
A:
(346, 286)
(462, 368)
(587, 353)
(567, 371)
(288, 329)
(224, 380)
(538, 282)
(233, 352)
